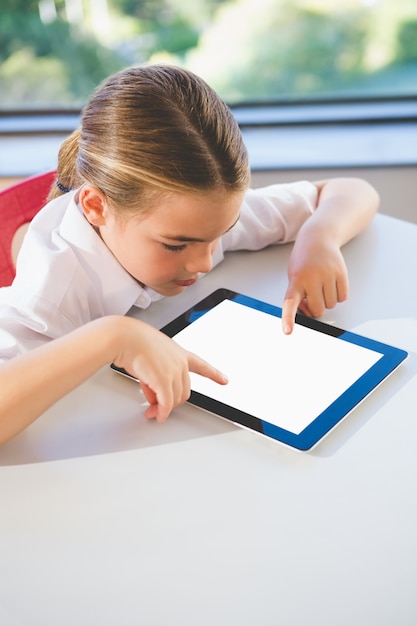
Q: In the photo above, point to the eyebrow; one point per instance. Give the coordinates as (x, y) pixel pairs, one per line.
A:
(184, 239)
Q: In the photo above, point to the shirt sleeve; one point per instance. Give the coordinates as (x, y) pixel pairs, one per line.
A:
(16, 339)
(271, 215)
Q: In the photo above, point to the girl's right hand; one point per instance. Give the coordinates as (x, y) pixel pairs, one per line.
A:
(160, 364)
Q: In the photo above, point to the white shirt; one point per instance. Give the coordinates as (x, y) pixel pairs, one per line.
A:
(66, 276)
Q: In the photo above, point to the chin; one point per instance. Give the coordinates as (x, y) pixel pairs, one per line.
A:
(172, 290)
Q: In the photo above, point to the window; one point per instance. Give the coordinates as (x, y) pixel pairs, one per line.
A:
(54, 52)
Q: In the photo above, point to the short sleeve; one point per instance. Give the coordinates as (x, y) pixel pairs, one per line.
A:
(271, 215)
(16, 338)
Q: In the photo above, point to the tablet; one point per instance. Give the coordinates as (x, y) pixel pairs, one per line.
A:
(292, 388)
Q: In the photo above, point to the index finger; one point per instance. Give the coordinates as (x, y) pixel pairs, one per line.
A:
(199, 366)
(289, 310)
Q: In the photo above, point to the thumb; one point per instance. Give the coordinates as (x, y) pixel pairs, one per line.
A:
(149, 394)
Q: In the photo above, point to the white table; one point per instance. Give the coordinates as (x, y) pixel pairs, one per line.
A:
(108, 519)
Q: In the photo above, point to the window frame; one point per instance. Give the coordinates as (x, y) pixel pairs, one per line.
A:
(269, 129)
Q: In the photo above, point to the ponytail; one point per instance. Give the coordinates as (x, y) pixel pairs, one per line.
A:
(67, 178)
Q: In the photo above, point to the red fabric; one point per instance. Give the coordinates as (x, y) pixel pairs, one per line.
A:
(18, 205)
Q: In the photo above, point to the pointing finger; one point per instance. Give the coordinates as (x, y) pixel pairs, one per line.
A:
(199, 366)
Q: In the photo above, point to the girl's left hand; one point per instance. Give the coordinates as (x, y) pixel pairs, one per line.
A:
(318, 280)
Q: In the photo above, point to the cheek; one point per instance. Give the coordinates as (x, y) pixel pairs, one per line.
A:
(127, 250)
(144, 259)
(148, 262)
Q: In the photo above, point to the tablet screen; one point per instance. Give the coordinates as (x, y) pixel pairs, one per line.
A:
(287, 380)
(294, 388)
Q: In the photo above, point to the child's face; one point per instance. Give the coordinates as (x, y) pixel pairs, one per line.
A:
(168, 247)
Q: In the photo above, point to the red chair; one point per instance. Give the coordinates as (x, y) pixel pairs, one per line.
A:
(19, 203)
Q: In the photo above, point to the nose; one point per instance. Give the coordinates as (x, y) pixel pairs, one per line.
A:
(200, 259)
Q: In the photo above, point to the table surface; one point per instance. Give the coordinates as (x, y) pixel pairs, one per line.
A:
(109, 519)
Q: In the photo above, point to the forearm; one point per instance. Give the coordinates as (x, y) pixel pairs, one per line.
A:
(345, 208)
(317, 272)
(31, 383)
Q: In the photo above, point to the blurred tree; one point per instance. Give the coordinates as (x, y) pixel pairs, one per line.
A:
(280, 49)
(171, 26)
(246, 49)
(16, 6)
(407, 41)
(66, 58)
(44, 80)
(160, 10)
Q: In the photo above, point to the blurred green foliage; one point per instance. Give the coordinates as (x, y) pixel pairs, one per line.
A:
(249, 50)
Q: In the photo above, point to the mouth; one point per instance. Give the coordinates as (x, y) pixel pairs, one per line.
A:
(185, 283)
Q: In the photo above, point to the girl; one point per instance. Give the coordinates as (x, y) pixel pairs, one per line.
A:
(151, 191)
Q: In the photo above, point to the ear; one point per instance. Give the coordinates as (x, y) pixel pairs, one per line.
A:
(93, 204)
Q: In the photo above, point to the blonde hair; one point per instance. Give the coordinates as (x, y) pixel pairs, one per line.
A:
(154, 129)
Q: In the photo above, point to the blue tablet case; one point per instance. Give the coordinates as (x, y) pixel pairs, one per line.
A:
(313, 379)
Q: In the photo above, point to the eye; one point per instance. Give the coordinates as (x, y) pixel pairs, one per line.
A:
(171, 248)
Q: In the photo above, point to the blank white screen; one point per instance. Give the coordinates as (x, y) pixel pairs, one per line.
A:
(287, 380)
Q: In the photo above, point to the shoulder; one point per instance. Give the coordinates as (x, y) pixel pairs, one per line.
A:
(51, 281)
(272, 214)
(46, 258)
(299, 191)
(52, 213)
